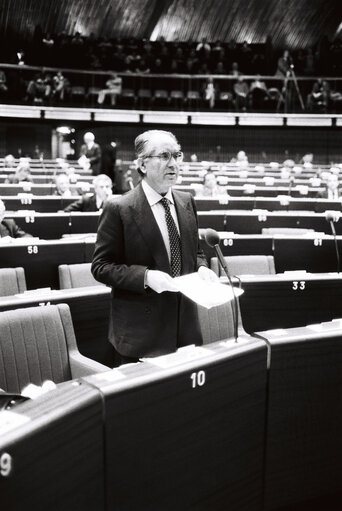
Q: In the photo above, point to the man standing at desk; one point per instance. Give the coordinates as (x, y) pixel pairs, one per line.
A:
(91, 153)
(145, 238)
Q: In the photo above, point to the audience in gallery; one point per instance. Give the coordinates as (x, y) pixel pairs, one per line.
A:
(102, 191)
(113, 89)
(8, 227)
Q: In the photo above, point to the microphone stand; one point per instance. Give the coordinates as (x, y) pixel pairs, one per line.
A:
(294, 78)
(235, 308)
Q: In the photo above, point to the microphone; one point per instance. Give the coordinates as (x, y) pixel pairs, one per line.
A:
(291, 183)
(332, 217)
(212, 239)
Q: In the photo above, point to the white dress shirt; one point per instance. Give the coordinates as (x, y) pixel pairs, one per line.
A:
(153, 198)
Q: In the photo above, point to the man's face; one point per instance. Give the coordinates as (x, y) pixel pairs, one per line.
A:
(63, 184)
(160, 174)
(103, 190)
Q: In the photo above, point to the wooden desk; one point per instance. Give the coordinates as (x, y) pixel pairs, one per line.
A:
(197, 426)
(41, 204)
(40, 259)
(89, 308)
(252, 222)
(56, 447)
(284, 301)
(304, 418)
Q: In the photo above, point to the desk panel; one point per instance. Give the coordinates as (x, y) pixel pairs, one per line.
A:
(56, 449)
(173, 444)
(41, 259)
(44, 225)
(48, 204)
(279, 301)
(89, 311)
(304, 420)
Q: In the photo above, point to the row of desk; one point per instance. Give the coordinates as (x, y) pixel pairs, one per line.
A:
(40, 259)
(54, 225)
(247, 426)
(53, 203)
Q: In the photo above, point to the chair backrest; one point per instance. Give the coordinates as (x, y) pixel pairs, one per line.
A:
(161, 93)
(245, 264)
(144, 93)
(12, 281)
(177, 94)
(76, 275)
(193, 94)
(34, 345)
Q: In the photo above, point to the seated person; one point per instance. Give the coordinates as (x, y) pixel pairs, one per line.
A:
(9, 161)
(8, 227)
(332, 191)
(210, 188)
(63, 186)
(22, 173)
(113, 89)
(103, 190)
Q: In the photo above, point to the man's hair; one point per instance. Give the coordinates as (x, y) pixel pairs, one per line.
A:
(142, 140)
(58, 177)
(89, 135)
(102, 177)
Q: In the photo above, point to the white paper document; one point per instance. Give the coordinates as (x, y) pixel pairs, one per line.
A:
(207, 294)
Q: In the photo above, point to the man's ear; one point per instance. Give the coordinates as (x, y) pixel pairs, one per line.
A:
(141, 165)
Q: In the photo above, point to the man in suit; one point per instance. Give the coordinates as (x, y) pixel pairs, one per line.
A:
(145, 238)
(8, 227)
(91, 153)
(103, 190)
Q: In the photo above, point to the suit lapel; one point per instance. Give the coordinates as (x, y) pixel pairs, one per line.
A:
(144, 218)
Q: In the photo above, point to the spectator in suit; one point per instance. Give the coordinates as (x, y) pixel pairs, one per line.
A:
(90, 153)
(145, 238)
(8, 227)
(210, 188)
(103, 190)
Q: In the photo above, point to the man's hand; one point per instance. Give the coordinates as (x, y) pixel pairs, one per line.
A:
(207, 274)
(159, 281)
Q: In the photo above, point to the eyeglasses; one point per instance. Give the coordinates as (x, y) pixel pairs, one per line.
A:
(166, 156)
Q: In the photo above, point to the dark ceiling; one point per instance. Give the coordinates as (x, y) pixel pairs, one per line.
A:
(291, 23)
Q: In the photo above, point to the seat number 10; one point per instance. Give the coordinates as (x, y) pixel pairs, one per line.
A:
(197, 379)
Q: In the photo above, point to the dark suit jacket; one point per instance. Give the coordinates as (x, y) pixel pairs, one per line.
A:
(94, 155)
(8, 227)
(143, 322)
(86, 203)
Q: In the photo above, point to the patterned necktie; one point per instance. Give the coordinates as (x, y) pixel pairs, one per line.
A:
(174, 239)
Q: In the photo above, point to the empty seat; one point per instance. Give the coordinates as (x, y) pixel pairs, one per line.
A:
(144, 97)
(177, 98)
(193, 98)
(225, 100)
(12, 281)
(160, 97)
(93, 91)
(38, 344)
(245, 265)
(127, 98)
(78, 91)
(76, 275)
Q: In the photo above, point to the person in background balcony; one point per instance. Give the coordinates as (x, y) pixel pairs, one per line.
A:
(113, 89)
(103, 190)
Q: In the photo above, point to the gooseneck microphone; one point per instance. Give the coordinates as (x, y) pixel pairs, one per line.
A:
(212, 239)
(332, 217)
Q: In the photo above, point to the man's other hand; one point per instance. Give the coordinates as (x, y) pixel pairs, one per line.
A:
(160, 281)
(207, 274)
